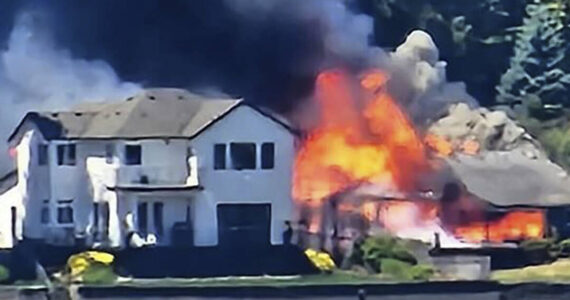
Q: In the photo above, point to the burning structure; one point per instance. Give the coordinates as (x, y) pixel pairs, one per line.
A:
(471, 177)
(372, 157)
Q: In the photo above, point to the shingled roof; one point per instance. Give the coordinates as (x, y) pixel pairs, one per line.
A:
(153, 113)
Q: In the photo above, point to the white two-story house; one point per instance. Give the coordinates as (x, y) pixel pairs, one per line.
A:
(167, 164)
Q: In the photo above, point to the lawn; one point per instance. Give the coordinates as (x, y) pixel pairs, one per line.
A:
(558, 272)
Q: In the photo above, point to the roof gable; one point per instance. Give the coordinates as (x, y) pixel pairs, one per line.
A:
(154, 113)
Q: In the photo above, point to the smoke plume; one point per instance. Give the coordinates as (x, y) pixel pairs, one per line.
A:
(268, 52)
(36, 75)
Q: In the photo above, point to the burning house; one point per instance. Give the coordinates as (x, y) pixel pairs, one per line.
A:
(168, 168)
(471, 177)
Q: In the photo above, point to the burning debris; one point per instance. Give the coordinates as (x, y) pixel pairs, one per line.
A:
(368, 164)
(472, 130)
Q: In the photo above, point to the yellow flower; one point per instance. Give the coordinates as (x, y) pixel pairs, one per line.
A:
(101, 257)
(321, 260)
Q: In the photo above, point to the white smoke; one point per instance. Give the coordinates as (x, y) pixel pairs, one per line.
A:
(36, 75)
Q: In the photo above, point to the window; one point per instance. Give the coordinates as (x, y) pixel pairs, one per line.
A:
(66, 155)
(158, 218)
(42, 154)
(267, 155)
(133, 154)
(65, 211)
(243, 156)
(219, 156)
(44, 214)
(96, 219)
(109, 153)
(142, 217)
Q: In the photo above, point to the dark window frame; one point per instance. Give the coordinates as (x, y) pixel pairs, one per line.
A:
(65, 212)
(66, 155)
(243, 156)
(45, 215)
(133, 155)
(220, 161)
(268, 156)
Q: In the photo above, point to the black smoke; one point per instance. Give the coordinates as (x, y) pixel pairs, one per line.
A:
(266, 51)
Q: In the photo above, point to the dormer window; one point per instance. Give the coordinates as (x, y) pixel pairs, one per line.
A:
(133, 155)
(66, 155)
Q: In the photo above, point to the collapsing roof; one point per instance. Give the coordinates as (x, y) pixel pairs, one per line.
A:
(153, 113)
(512, 179)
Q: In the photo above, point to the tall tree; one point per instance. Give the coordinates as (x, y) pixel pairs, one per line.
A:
(538, 80)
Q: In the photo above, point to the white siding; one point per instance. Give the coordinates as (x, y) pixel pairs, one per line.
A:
(244, 124)
(9, 199)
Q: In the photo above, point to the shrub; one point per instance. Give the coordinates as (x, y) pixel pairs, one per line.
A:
(4, 274)
(539, 251)
(91, 267)
(98, 273)
(564, 248)
(396, 268)
(422, 272)
(320, 260)
(377, 248)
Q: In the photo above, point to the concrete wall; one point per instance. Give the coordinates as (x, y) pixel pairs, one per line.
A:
(228, 186)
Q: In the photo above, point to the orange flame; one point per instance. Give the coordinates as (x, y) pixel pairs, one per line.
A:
(439, 144)
(515, 225)
(363, 136)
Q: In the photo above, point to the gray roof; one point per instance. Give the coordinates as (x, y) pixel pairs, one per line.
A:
(153, 113)
(8, 181)
(512, 179)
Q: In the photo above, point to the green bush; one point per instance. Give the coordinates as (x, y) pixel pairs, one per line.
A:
(99, 274)
(564, 248)
(401, 270)
(376, 248)
(396, 268)
(422, 272)
(539, 251)
(4, 274)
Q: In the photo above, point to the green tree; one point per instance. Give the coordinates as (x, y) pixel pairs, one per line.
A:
(538, 79)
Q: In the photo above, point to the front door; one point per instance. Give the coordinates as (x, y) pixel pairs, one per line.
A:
(244, 225)
(150, 218)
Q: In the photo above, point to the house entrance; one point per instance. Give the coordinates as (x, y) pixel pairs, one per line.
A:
(244, 225)
(150, 218)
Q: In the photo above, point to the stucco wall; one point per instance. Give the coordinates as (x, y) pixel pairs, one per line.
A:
(272, 186)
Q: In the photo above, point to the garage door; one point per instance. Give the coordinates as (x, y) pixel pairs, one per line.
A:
(244, 225)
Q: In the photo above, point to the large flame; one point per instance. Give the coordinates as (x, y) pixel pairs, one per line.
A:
(363, 136)
(515, 225)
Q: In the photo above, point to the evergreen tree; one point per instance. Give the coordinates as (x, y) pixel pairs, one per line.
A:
(539, 75)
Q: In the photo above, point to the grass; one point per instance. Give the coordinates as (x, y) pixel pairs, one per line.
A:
(558, 272)
(335, 278)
